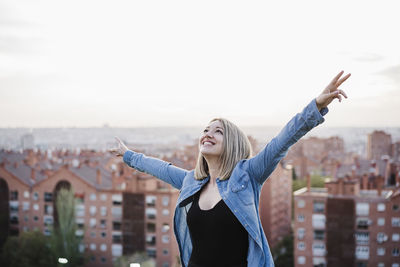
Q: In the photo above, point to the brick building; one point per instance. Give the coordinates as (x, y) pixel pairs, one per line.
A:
(343, 225)
(316, 154)
(119, 210)
(379, 143)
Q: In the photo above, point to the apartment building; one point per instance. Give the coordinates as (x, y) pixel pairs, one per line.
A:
(342, 225)
(119, 210)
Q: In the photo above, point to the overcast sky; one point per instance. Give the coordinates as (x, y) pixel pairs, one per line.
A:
(177, 63)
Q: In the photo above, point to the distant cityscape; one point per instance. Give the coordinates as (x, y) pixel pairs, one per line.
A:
(158, 139)
(121, 211)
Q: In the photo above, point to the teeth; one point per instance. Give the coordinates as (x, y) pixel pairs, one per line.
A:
(206, 142)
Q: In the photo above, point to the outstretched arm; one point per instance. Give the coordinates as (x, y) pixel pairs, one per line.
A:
(153, 166)
(264, 163)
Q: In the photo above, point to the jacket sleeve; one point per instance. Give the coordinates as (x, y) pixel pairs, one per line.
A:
(264, 163)
(163, 170)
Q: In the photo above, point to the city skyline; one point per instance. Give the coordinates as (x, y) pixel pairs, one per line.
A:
(152, 64)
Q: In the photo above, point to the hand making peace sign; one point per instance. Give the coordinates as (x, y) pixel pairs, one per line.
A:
(332, 91)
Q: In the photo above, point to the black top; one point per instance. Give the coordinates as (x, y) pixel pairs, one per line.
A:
(218, 238)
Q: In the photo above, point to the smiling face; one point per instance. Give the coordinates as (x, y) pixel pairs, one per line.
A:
(212, 140)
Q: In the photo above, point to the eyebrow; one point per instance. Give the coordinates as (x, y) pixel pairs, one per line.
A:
(208, 127)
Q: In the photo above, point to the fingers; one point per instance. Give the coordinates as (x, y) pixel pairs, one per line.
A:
(343, 80)
(333, 82)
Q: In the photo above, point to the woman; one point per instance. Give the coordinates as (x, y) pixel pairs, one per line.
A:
(216, 220)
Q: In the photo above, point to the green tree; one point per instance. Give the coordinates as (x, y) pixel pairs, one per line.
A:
(138, 257)
(64, 242)
(27, 249)
(283, 252)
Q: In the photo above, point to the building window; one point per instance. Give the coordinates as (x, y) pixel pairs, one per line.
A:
(165, 212)
(14, 219)
(381, 207)
(395, 207)
(116, 250)
(116, 237)
(151, 201)
(362, 223)
(395, 252)
(92, 234)
(396, 222)
(395, 265)
(92, 197)
(381, 264)
(300, 233)
(35, 218)
(48, 197)
(395, 237)
(151, 227)
(92, 210)
(362, 209)
(151, 240)
(151, 252)
(48, 209)
(165, 251)
(103, 247)
(116, 212)
(35, 196)
(35, 206)
(165, 227)
(80, 210)
(362, 252)
(103, 211)
(381, 237)
(165, 264)
(380, 251)
(92, 222)
(381, 221)
(165, 201)
(165, 239)
(300, 218)
(103, 197)
(103, 234)
(318, 249)
(301, 203)
(26, 217)
(117, 199)
(103, 259)
(48, 220)
(318, 220)
(93, 246)
(362, 237)
(14, 195)
(26, 194)
(319, 235)
(116, 226)
(301, 260)
(93, 258)
(301, 246)
(25, 205)
(319, 207)
(151, 213)
(103, 223)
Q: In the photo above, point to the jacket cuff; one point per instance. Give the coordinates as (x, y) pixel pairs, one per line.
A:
(128, 157)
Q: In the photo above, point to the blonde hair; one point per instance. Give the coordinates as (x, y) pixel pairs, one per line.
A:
(236, 146)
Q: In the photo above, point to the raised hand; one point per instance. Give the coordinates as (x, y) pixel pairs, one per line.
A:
(120, 150)
(332, 91)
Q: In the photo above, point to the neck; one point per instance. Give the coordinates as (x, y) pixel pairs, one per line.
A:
(213, 169)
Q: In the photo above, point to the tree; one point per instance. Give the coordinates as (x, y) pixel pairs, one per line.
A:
(283, 252)
(27, 249)
(64, 242)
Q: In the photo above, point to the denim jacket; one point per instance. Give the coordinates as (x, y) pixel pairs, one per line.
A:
(240, 192)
